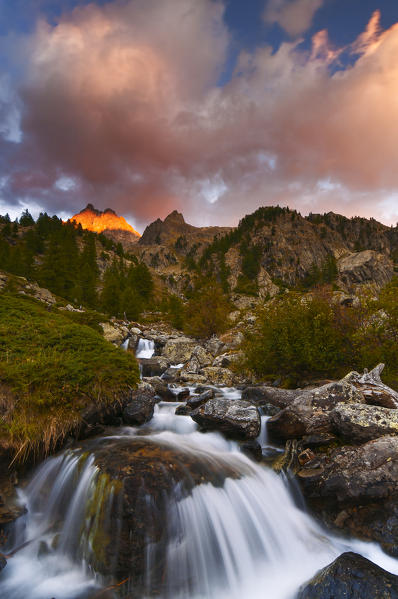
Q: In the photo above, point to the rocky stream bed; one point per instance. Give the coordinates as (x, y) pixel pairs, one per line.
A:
(199, 487)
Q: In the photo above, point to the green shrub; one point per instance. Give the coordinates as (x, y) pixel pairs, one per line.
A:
(52, 368)
(206, 312)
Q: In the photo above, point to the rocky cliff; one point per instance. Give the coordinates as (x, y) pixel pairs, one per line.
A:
(107, 222)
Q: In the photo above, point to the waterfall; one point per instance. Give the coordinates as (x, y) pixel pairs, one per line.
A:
(145, 348)
(244, 538)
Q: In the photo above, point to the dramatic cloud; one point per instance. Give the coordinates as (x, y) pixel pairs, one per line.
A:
(120, 105)
(294, 16)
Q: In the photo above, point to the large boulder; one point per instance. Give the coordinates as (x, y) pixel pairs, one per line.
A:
(234, 418)
(356, 490)
(218, 376)
(355, 475)
(363, 268)
(353, 577)
(359, 423)
(309, 413)
(279, 398)
(126, 519)
(140, 410)
(178, 350)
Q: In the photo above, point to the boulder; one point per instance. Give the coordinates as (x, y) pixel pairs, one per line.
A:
(359, 423)
(178, 350)
(351, 576)
(280, 398)
(132, 500)
(183, 395)
(233, 417)
(214, 345)
(365, 267)
(226, 359)
(309, 413)
(203, 356)
(112, 333)
(154, 366)
(218, 376)
(198, 400)
(182, 410)
(355, 475)
(161, 388)
(140, 410)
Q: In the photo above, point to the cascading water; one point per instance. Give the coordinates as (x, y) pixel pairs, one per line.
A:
(242, 536)
(145, 348)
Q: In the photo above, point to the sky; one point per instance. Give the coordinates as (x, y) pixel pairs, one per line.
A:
(210, 107)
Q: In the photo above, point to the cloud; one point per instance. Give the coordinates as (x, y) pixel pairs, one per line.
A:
(120, 105)
(294, 16)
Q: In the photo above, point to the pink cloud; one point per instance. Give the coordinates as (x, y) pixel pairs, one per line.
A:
(124, 99)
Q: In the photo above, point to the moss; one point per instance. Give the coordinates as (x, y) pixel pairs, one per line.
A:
(53, 368)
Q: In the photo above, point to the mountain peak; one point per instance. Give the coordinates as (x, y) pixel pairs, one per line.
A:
(175, 217)
(95, 220)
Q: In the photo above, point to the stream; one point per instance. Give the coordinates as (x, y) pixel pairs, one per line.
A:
(247, 537)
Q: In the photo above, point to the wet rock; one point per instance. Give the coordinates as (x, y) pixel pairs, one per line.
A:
(309, 413)
(183, 410)
(154, 366)
(183, 395)
(360, 423)
(280, 398)
(219, 376)
(198, 400)
(178, 350)
(135, 489)
(161, 388)
(3, 562)
(252, 449)
(140, 410)
(192, 379)
(351, 576)
(356, 475)
(234, 418)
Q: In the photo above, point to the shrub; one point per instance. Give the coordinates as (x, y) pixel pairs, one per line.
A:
(53, 368)
(206, 312)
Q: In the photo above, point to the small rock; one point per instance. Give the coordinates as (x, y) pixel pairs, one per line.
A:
(198, 400)
(183, 395)
(140, 410)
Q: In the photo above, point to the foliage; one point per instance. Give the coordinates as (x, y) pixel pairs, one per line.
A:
(54, 367)
(207, 310)
(324, 274)
(301, 336)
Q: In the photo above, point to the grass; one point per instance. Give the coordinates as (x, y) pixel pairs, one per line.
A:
(51, 368)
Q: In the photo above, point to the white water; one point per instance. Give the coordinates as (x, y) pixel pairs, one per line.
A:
(247, 539)
(145, 348)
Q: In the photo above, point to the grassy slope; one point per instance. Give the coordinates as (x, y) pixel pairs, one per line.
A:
(50, 369)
